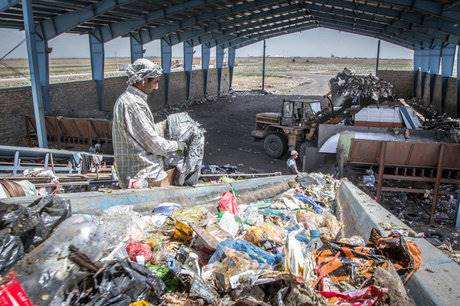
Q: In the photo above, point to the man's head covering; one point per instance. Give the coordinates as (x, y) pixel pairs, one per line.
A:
(294, 153)
(142, 69)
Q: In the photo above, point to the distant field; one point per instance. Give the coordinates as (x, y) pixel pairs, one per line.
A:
(280, 72)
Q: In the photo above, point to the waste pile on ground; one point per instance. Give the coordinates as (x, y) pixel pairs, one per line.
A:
(358, 89)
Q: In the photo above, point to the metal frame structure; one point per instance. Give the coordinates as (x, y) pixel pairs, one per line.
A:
(430, 27)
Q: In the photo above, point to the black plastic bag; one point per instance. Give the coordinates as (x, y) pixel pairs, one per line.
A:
(119, 282)
(11, 250)
(24, 226)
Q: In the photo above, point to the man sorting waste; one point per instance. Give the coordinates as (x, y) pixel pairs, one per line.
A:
(138, 143)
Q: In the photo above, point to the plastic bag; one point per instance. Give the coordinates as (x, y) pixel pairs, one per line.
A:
(11, 250)
(166, 209)
(267, 232)
(309, 201)
(228, 203)
(12, 293)
(228, 223)
(365, 297)
(255, 253)
(31, 224)
(183, 128)
(120, 282)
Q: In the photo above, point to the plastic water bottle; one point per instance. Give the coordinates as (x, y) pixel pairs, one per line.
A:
(315, 241)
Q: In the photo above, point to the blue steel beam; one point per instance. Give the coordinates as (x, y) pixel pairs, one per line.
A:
(97, 55)
(166, 54)
(188, 62)
(383, 28)
(192, 36)
(219, 66)
(433, 8)
(6, 4)
(205, 56)
(59, 24)
(247, 41)
(37, 95)
(413, 18)
(458, 80)
(414, 22)
(341, 25)
(231, 64)
(136, 48)
(122, 28)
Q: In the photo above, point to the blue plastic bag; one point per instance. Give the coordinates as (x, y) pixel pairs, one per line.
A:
(310, 201)
(166, 208)
(261, 256)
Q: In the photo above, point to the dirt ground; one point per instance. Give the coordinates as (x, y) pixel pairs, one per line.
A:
(230, 120)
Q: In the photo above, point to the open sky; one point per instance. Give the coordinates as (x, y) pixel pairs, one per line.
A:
(315, 43)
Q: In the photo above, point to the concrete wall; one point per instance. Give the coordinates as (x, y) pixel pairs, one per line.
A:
(403, 82)
(79, 99)
(436, 282)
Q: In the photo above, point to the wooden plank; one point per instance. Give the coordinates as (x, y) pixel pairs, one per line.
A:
(383, 146)
(438, 182)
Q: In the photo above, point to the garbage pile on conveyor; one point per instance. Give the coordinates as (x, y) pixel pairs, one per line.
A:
(359, 89)
(287, 250)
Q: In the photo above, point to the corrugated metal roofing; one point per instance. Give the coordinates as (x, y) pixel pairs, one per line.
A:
(409, 23)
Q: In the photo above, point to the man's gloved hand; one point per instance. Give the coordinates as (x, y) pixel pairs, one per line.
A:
(181, 146)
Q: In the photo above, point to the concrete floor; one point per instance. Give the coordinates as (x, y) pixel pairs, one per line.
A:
(230, 120)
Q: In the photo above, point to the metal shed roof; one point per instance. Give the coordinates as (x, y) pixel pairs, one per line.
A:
(410, 23)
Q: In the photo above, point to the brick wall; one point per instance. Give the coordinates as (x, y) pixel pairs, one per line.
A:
(403, 82)
(79, 99)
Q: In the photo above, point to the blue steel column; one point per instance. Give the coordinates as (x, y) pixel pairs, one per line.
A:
(188, 62)
(447, 68)
(435, 62)
(43, 68)
(166, 65)
(458, 81)
(136, 47)
(219, 65)
(96, 48)
(231, 65)
(32, 52)
(205, 56)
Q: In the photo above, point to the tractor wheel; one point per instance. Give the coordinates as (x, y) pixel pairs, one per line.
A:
(275, 145)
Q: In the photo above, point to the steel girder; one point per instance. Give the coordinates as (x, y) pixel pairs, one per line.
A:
(37, 96)
(411, 21)
(251, 40)
(397, 28)
(448, 60)
(147, 35)
(123, 28)
(6, 4)
(402, 39)
(433, 8)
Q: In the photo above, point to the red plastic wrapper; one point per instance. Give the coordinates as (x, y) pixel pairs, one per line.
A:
(12, 293)
(362, 297)
(139, 249)
(228, 203)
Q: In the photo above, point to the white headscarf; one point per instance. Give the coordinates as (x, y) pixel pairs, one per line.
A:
(141, 69)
